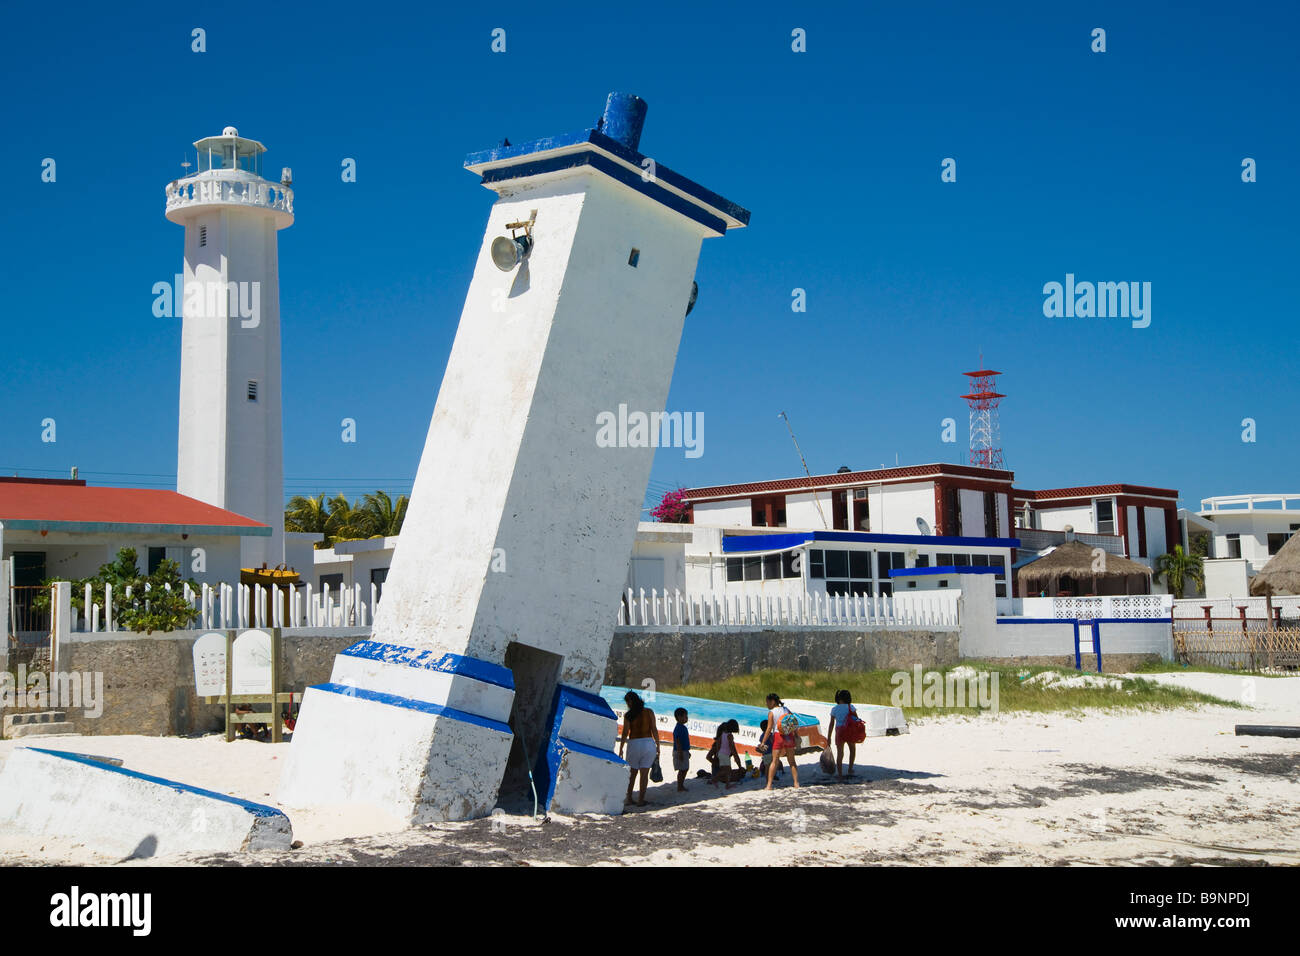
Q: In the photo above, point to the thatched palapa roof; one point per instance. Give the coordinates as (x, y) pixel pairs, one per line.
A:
(1282, 573)
(1075, 560)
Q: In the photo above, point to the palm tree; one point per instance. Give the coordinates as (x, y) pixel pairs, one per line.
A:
(347, 522)
(307, 514)
(383, 517)
(341, 520)
(1178, 568)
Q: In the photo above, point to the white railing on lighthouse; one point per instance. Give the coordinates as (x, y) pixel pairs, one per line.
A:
(209, 187)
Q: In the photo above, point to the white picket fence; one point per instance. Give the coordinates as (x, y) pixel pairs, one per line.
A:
(675, 609)
(245, 605)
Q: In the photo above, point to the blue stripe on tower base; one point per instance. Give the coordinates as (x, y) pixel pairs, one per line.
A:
(458, 664)
(548, 761)
(408, 703)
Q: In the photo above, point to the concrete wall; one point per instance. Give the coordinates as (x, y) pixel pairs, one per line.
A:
(1110, 663)
(705, 572)
(972, 512)
(895, 508)
(300, 551)
(801, 510)
(1055, 519)
(673, 657)
(149, 680)
(1254, 528)
(663, 546)
(1122, 645)
(1155, 527)
(1227, 577)
(733, 513)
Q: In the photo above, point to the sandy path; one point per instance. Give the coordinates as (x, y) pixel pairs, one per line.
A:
(1096, 787)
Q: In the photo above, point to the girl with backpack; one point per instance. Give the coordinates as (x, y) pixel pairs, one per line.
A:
(846, 727)
(783, 732)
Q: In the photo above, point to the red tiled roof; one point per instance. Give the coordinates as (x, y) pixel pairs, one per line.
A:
(1089, 491)
(38, 502)
(848, 478)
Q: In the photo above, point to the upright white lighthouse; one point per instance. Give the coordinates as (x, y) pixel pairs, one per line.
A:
(231, 448)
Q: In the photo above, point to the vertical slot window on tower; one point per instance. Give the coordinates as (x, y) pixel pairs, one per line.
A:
(203, 236)
(252, 391)
(634, 257)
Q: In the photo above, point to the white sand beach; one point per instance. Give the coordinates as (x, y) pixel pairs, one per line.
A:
(1089, 788)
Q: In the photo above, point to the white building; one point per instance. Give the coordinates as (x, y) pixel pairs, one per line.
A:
(230, 451)
(791, 563)
(1245, 531)
(349, 563)
(65, 529)
(1144, 519)
(944, 499)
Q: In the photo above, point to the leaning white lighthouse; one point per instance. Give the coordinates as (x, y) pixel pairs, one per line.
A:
(231, 448)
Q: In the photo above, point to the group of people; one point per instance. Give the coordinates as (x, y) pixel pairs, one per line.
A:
(779, 740)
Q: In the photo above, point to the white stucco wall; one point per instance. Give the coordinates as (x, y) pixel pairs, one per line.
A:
(733, 513)
(972, 513)
(1254, 528)
(300, 551)
(1226, 577)
(1055, 519)
(659, 554)
(701, 567)
(1155, 525)
(801, 511)
(895, 508)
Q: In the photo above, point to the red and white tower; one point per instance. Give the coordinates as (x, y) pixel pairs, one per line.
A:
(985, 432)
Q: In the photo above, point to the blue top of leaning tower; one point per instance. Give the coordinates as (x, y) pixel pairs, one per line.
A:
(612, 146)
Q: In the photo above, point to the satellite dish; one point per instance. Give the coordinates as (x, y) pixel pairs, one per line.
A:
(922, 526)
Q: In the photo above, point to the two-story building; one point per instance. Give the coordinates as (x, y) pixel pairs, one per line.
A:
(1144, 519)
(942, 499)
(1244, 532)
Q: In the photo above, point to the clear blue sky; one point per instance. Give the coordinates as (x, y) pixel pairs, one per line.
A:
(1124, 165)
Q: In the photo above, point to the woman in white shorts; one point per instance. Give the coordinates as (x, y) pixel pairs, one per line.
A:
(641, 735)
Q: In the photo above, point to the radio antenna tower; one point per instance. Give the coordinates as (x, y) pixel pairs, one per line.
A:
(985, 432)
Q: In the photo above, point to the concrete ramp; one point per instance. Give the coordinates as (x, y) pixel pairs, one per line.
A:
(118, 811)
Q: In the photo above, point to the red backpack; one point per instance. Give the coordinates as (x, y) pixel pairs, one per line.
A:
(855, 729)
